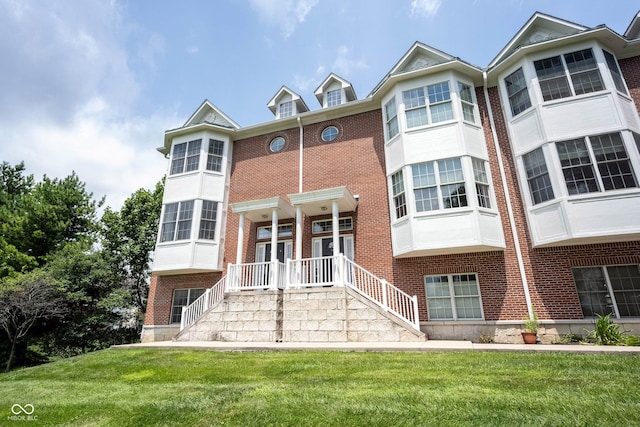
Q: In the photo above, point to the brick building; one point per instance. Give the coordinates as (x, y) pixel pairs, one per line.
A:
(462, 199)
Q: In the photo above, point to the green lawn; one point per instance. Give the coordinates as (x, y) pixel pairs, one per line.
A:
(139, 387)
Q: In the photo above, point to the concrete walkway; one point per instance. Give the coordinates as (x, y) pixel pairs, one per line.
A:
(430, 345)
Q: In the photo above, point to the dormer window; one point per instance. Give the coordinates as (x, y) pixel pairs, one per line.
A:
(285, 109)
(334, 97)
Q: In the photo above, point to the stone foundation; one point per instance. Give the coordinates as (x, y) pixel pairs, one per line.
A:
(336, 314)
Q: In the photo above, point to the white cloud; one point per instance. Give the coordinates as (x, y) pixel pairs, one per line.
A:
(286, 14)
(68, 96)
(344, 64)
(427, 8)
(193, 49)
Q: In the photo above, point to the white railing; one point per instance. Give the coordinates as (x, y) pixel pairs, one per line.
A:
(211, 297)
(382, 293)
(256, 275)
(310, 272)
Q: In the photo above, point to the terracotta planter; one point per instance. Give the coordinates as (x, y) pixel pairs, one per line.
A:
(529, 337)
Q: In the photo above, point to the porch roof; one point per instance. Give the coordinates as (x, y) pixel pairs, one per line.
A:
(318, 202)
(260, 210)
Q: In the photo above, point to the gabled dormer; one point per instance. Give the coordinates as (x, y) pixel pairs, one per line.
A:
(539, 28)
(334, 90)
(286, 103)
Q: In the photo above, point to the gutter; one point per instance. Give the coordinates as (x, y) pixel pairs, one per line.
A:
(512, 222)
(300, 160)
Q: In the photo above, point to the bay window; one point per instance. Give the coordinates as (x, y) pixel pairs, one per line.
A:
(538, 179)
(437, 182)
(431, 107)
(391, 118)
(616, 75)
(607, 152)
(214, 155)
(399, 200)
(208, 220)
(517, 92)
(186, 157)
(574, 73)
(466, 100)
(176, 221)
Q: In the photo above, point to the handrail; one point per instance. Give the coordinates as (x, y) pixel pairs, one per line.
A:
(211, 297)
(255, 275)
(382, 293)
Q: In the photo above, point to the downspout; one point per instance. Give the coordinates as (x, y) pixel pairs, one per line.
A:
(503, 177)
(300, 161)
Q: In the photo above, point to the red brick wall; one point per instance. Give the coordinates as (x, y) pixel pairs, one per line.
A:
(355, 159)
(630, 69)
(161, 293)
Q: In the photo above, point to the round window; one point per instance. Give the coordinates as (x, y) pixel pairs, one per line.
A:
(329, 133)
(277, 144)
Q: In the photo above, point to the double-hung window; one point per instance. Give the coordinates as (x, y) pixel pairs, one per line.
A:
(466, 100)
(391, 118)
(186, 157)
(616, 75)
(517, 92)
(453, 297)
(438, 98)
(537, 176)
(482, 183)
(208, 220)
(334, 97)
(609, 290)
(439, 185)
(607, 152)
(183, 298)
(399, 199)
(214, 155)
(176, 221)
(570, 74)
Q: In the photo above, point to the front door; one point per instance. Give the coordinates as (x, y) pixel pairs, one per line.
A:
(263, 254)
(323, 247)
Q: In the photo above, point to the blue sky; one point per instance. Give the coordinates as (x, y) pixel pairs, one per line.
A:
(91, 85)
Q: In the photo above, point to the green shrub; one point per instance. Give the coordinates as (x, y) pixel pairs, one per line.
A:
(607, 332)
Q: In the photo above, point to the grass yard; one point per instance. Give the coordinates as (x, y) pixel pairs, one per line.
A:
(139, 387)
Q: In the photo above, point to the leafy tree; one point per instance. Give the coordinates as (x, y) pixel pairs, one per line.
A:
(24, 303)
(97, 306)
(129, 238)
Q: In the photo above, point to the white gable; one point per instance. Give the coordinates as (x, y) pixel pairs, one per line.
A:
(210, 114)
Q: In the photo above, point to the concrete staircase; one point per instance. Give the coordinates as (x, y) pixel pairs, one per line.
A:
(324, 314)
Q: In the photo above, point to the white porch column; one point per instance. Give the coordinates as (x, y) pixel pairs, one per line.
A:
(298, 233)
(240, 240)
(274, 235)
(273, 277)
(335, 226)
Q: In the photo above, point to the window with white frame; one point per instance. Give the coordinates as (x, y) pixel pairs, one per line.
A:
(517, 92)
(176, 221)
(537, 176)
(466, 100)
(433, 108)
(636, 137)
(326, 226)
(570, 74)
(391, 118)
(609, 290)
(482, 183)
(439, 185)
(186, 157)
(285, 109)
(616, 75)
(214, 155)
(577, 158)
(183, 298)
(453, 297)
(284, 231)
(208, 220)
(334, 97)
(399, 199)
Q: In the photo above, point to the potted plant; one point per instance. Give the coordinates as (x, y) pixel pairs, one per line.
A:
(530, 332)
